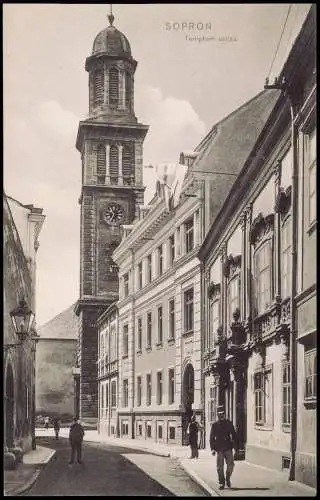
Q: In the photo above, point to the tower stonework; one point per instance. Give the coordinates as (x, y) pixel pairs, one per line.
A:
(110, 142)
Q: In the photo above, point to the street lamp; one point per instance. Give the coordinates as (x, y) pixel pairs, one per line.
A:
(22, 318)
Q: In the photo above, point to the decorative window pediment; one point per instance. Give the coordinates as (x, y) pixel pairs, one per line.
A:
(213, 289)
(261, 227)
(232, 265)
(283, 201)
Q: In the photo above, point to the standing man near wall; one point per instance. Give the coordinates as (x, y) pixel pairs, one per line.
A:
(223, 438)
(76, 434)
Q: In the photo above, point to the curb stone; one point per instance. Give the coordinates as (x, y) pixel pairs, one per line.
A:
(20, 490)
(135, 447)
(26, 487)
(198, 480)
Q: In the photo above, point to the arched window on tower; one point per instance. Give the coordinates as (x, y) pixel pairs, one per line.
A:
(114, 164)
(98, 86)
(113, 86)
(101, 164)
(128, 89)
(128, 164)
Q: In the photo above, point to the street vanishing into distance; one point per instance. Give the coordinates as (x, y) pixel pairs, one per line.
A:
(111, 471)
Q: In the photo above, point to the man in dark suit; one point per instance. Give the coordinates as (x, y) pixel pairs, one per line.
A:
(223, 438)
(76, 434)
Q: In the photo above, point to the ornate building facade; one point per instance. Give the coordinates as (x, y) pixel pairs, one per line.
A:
(110, 141)
(259, 283)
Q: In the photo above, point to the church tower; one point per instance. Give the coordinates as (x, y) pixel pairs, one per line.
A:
(110, 141)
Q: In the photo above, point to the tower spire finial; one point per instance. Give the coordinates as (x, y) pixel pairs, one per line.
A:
(111, 16)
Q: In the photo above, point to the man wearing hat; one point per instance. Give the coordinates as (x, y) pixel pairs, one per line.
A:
(223, 438)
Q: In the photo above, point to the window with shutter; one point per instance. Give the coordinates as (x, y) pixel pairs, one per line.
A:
(101, 164)
(128, 164)
(128, 89)
(114, 164)
(98, 86)
(113, 86)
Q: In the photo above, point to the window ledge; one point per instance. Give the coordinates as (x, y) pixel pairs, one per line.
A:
(310, 403)
(159, 345)
(186, 334)
(124, 356)
(286, 428)
(139, 351)
(263, 427)
(312, 227)
(148, 348)
(171, 341)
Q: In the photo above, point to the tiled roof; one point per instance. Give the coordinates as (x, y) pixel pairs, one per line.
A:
(62, 326)
(236, 135)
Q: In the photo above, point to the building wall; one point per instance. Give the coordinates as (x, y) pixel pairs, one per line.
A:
(270, 443)
(286, 331)
(54, 384)
(142, 421)
(108, 373)
(19, 367)
(265, 443)
(306, 456)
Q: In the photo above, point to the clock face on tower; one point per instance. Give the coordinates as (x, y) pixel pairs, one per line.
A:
(114, 214)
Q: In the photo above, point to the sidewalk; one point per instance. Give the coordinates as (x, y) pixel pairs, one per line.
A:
(247, 479)
(24, 476)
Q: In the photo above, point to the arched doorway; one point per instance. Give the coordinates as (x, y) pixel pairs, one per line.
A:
(9, 410)
(187, 399)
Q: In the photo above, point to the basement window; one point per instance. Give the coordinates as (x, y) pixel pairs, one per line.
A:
(286, 463)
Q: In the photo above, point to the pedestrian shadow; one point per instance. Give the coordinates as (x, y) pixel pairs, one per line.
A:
(256, 488)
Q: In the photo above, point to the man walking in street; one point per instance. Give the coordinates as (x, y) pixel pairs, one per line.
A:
(76, 434)
(56, 426)
(223, 438)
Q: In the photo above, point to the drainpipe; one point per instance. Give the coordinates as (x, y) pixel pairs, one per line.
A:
(293, 340)
(133, 324)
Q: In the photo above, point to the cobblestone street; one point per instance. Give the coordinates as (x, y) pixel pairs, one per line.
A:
(111, 471)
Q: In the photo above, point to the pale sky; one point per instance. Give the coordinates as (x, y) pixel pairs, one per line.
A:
(182, 88)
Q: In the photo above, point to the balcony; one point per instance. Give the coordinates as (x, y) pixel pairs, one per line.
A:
(264, 325)
(236, 338)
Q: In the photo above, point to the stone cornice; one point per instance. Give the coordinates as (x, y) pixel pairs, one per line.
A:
(94, 302)
(138, 130)
(143, 230)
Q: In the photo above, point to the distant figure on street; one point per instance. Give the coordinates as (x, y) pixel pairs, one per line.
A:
(223, 438)
(76, 434)
(56, 426)
(193, 429)
(46, 422)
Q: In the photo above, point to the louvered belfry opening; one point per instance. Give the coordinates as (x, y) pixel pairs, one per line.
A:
(128, 89)
(114, 164)
(101, 164)
(128, 164)
(113, 86)
(98, 86)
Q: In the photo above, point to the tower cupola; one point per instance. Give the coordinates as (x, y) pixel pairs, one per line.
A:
(111, 69)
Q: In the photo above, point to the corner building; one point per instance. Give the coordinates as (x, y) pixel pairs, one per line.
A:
(110, 142)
